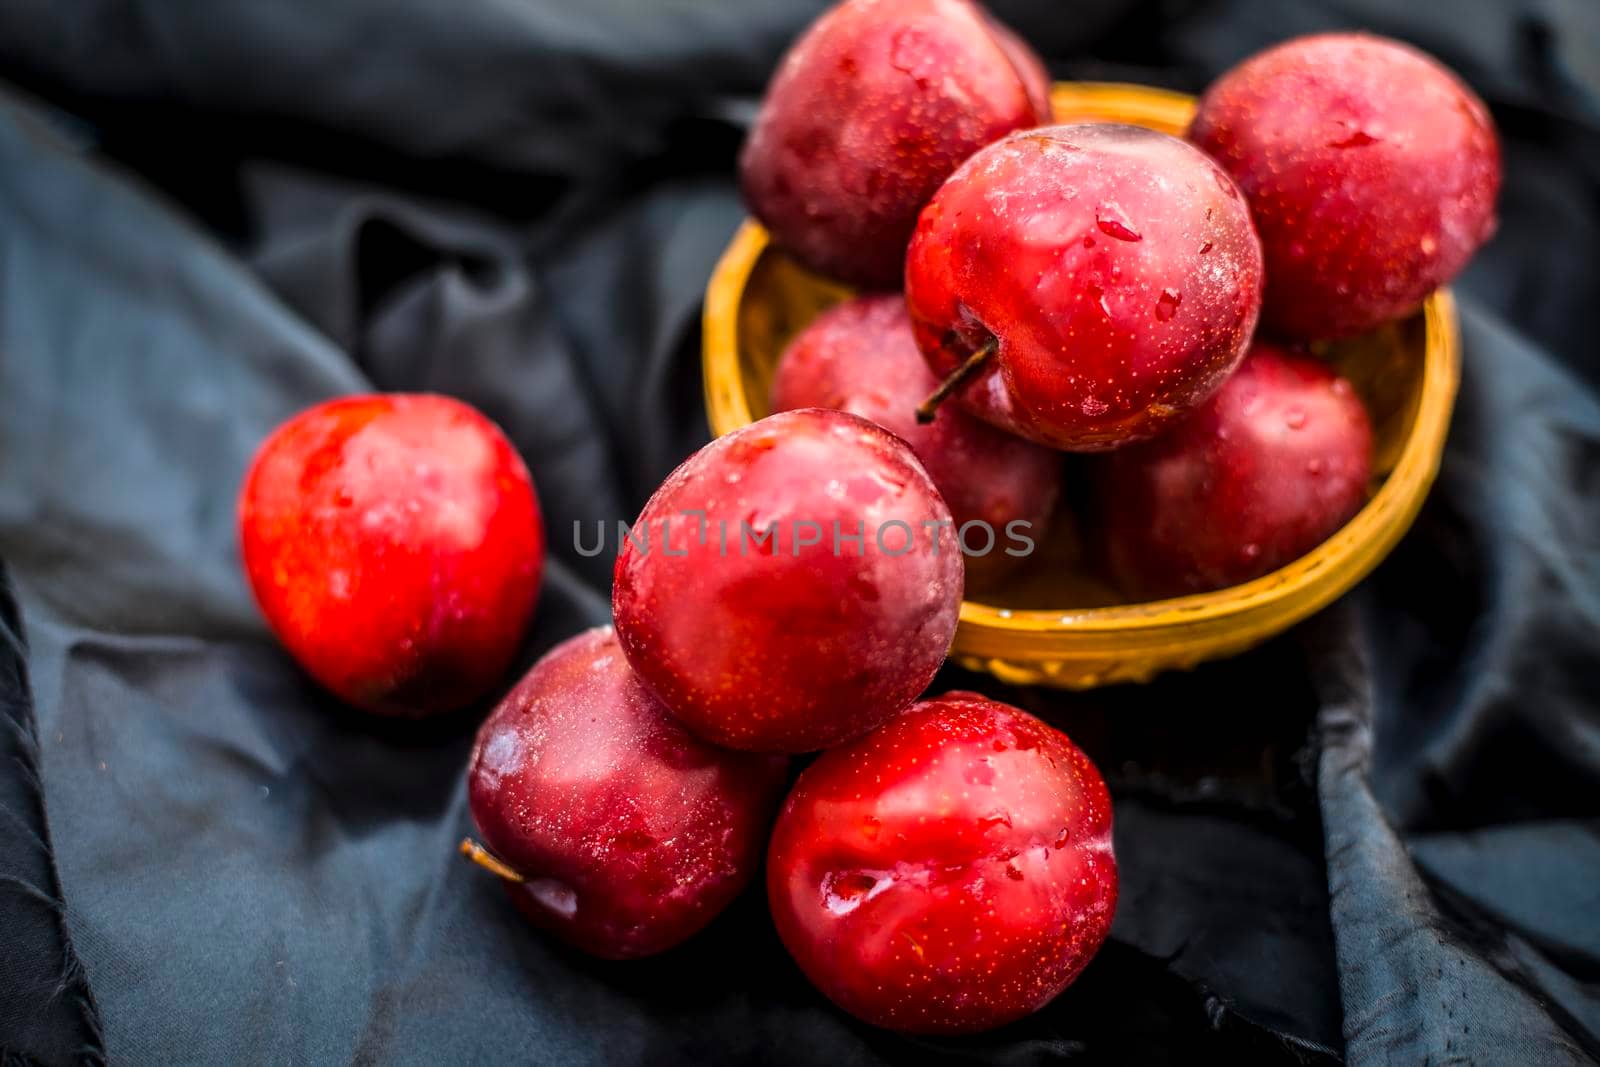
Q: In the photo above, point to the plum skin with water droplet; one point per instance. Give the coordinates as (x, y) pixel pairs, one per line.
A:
(860, 357)
(1277, 461)
(870, 110)
(950, 872)
(798, 648)
(1371, 170)
(632, 833)
(1116, 267)
(394, 544)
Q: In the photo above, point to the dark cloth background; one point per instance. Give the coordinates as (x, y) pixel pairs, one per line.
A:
(1377, 837)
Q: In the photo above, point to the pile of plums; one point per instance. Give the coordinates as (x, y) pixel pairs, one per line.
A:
(944, 864)
(1096, 288)
(794, 586)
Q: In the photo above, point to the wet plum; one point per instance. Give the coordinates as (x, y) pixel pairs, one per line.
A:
(792, 584)
(615, 828)
(1098, 281)
(394, 544)
(1261, 474)
(1371, 171)
(860, 357)
(949, 872)
(871, 109)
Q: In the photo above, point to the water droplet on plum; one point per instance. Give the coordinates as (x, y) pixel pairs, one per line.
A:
(635, 840)
(1168, 303)
(554, 895)
(844, 893)
(1113, 222)
(1354, 139)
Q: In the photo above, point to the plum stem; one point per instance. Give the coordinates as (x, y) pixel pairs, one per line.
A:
(488, 860)
(930, 407)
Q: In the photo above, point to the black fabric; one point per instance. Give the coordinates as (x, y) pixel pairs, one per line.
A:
(1377, 837)
(46, 1010)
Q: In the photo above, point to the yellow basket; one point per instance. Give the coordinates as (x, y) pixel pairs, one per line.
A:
(1056, 624)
